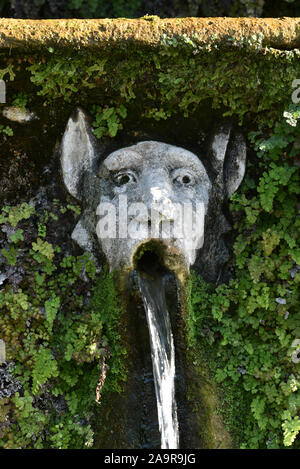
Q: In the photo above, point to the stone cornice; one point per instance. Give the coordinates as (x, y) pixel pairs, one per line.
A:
(283, 33)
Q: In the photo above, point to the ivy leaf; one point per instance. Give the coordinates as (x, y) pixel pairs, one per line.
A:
(11, 255)
(113, 128)
(258, 407)
(291, 428)
(17, 236)
(122, 111)
(51, 308)
(220, 375)
(44, 248)
(295, 255)
(256, 267)
(270, 240)
(45, 367)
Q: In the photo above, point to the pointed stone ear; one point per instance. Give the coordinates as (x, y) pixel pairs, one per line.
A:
(229, 158)
(78, 152)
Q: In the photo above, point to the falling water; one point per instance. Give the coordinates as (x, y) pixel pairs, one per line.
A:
(163, 356)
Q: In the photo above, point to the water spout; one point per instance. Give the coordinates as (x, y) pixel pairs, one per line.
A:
(152, 288)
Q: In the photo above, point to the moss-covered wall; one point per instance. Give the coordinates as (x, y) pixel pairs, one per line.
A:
(172, 80)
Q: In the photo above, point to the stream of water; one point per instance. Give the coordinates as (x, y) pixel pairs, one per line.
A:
(163, 356)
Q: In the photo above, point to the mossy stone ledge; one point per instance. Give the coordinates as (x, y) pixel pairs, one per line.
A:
(281, 33)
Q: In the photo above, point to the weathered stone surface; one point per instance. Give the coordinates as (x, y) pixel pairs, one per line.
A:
(8, 384)
(158, 180)
(78, 152)
(283, 33)
(2, 352)
(17, 114)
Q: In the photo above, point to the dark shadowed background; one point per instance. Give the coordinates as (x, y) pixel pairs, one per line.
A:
(39, 9)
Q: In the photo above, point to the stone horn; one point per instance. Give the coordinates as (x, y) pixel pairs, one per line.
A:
(228, 150)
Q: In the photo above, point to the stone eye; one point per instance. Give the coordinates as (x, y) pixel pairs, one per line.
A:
(186, 179)
(124, 177)
(182, 177)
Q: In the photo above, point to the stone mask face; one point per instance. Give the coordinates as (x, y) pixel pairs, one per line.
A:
(152, 190)
(145, 192)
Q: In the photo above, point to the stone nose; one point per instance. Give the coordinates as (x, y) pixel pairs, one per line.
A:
(157, 194)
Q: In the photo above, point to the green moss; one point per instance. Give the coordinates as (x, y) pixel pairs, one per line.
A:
(207, 402)
(248, 327)
(7, 130)
(106, 300)
(8, 70)
(241, 78)
(56, 340)
(20, 100)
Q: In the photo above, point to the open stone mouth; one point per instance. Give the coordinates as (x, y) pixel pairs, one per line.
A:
(156, 257)
(148, 258)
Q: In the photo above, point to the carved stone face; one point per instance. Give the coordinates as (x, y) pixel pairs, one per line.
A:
(152, 190)
(149, 191)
